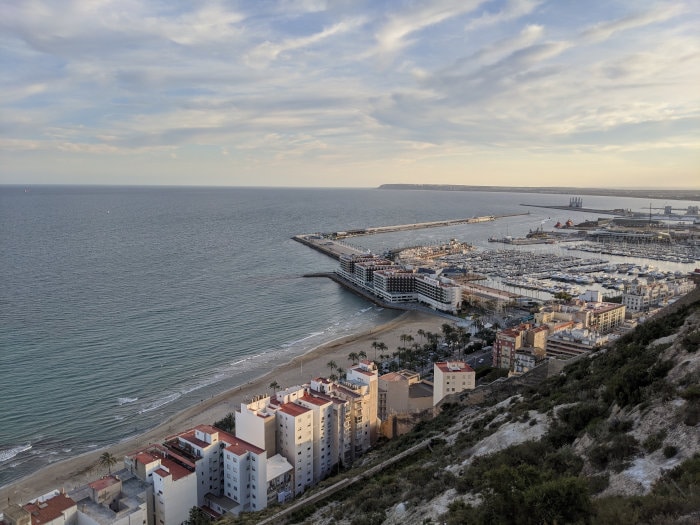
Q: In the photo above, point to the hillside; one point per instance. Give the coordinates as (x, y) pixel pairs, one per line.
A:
(614, 438)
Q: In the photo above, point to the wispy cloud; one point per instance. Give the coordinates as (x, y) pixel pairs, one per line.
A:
(604, 30)
(393, 35)
(513, 10)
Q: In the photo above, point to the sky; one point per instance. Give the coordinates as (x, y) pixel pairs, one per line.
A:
(350, 93)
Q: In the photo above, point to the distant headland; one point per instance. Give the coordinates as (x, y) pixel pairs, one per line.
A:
(688, 195)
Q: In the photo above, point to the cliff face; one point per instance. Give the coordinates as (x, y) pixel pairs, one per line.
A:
(614, 438)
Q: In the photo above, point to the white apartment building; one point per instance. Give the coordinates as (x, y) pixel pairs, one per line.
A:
(174, 492)
(245, 472)
(640, 297)
(451, 377)
(323, 413)
(173, 480)
(295, 435)
(203, 445)
(256, 424)
(206, 466)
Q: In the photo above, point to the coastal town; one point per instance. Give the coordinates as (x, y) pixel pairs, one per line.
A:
(277, 445)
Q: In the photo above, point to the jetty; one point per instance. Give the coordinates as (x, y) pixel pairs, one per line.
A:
(334, 245)
(419, 225)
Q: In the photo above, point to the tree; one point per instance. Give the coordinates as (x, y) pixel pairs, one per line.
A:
(332, 365)
(107, 460)
(378, 345)
(353, 357)
(227, 424)
(446, 329)
(362, 354)
(274, 386)
(198, 517)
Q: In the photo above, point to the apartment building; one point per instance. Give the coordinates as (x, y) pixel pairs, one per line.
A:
(566, 344)
(365, 373)
(172, 481)
(596, 315)
(403, 392)
(54, 508)
(295, 435)
(451, 377)
(506, 343)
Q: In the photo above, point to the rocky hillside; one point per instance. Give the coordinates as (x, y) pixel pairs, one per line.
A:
(614, 438)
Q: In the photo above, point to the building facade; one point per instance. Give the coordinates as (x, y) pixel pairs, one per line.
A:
(451, 377)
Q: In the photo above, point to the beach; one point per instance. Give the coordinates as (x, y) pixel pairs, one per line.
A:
(75, 472)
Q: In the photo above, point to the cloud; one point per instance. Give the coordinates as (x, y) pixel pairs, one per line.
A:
(268, 51)
(513, 10)
(317, 86)
(392, 36)
(605, 30)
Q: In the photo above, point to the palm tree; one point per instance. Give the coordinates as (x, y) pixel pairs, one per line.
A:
(332, 365)
(341, 373)
(378, 345)
(362, 354)
(406, 338)
(107, 460)
(274, 386)
(354, 357)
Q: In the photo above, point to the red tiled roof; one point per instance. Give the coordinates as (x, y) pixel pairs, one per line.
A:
(50, 509)
(176, 470)
(103, 483)
(293, 409)
(445, 367)
(240, 448)
(392, 376)
(314, 400)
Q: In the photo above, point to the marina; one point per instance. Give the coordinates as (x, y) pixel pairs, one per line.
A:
(526, 270)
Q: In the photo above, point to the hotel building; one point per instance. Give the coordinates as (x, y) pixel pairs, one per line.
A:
(396, 284)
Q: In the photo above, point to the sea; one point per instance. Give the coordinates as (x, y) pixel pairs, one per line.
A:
(121, 306)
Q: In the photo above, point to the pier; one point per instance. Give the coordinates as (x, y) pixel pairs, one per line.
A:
(420, 225)
(327, 246)
(332, 244)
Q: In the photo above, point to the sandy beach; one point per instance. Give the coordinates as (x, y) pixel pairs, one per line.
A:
(75, 472)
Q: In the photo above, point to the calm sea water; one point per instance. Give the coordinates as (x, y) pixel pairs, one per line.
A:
(121, 306)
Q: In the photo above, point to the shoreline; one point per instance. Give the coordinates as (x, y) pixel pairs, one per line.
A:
(74, 472)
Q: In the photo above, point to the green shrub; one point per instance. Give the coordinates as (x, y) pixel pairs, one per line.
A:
(654, 441)
(620, 426)
(670, 451)
(597, 484)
